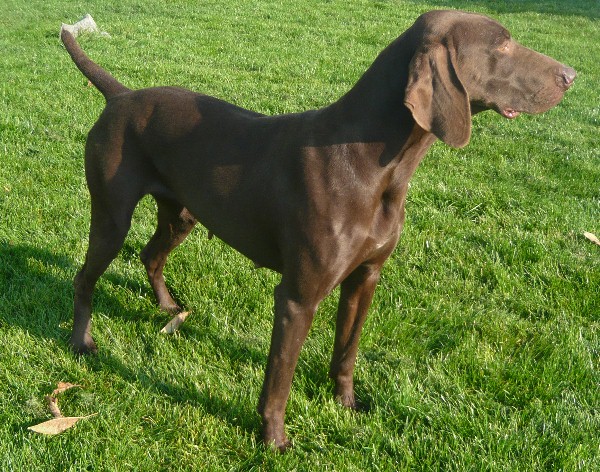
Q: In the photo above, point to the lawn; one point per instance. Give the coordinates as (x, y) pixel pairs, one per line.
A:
(481, 351)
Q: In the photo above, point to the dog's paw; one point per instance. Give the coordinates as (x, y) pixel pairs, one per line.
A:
(350, 401)
(85, 346)
(275, 439)
(280, 445)
(347, 401)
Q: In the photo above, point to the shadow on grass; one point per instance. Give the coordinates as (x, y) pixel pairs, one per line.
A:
(36, 291)
(583, 8)
(236, 411)
(31, 295)
(36, 295)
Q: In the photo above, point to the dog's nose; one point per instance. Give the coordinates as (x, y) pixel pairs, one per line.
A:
(568, 76)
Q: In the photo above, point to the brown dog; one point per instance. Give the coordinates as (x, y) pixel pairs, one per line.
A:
(317, 196)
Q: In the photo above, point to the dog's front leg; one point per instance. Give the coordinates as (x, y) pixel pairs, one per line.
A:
(355, 298)
(292, 322)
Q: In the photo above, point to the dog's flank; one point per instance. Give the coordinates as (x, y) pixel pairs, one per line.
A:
(317, 196)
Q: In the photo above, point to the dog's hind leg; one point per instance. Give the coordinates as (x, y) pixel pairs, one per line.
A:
(108, 229)
(174, 224)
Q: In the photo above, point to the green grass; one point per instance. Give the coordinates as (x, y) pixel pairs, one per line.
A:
(482, 348)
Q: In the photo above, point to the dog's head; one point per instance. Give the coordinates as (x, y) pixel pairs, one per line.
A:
(466, 63)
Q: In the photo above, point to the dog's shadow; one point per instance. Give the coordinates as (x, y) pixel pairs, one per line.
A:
(32, 295)
(36, 291)
(237, 410)
(36, 295)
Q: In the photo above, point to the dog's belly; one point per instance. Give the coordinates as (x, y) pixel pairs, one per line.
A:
(242, 228)
(242, 223)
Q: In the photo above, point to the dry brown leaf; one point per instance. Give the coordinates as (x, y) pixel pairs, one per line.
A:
(60, 423)
(53, 406)
(175, 323)
(592, 237)
(63, 387)
(57, 425)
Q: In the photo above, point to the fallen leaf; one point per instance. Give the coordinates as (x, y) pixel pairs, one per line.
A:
(175, 323)
(63, 387)
(60, 423)
(592, 237)
(53, 406)
(57, 425)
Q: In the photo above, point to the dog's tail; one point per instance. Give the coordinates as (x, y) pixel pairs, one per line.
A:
(106, 83)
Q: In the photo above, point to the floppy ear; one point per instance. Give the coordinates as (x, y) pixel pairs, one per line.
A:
(436, 97)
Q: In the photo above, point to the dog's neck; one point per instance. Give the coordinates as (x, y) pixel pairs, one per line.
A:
(373, 110)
